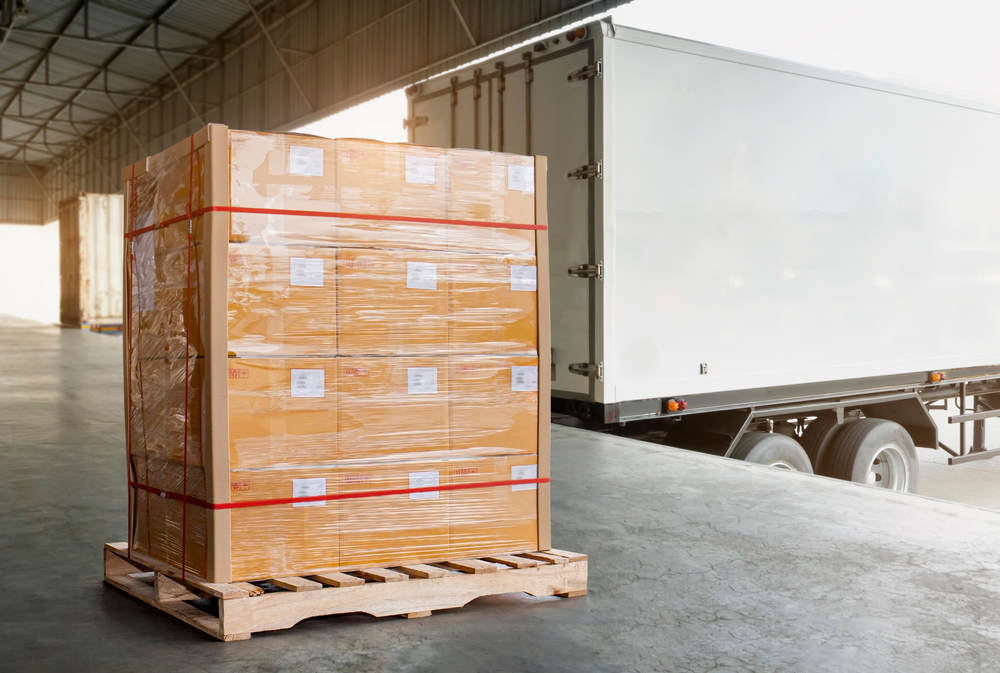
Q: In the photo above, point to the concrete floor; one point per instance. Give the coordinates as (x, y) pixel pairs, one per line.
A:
(697, 563)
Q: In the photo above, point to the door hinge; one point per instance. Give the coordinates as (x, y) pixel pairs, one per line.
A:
(593, 70)
(415, 122)
(587, 369)
(587, 271)
(587, 172)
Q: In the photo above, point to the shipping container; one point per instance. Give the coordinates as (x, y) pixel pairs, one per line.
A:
(90, 260)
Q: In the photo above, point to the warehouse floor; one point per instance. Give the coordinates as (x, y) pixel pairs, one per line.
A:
(697, 563)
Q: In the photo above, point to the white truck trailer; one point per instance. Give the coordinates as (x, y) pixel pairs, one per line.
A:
(785, 263)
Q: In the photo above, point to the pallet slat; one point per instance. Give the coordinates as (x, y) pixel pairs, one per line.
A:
(474, 566)
(251, 589)
(568, 555)
(338, 580)
(382, 575)
(296, 584)
(545, 556)
(423, 571)
(512, 561)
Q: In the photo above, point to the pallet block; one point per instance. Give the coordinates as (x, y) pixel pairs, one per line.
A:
(410, 591)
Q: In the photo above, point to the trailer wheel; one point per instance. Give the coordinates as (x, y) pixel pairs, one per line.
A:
(875, 452)
(774, 450)
(819, 436)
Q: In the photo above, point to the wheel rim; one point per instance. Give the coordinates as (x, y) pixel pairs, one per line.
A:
(888, 469)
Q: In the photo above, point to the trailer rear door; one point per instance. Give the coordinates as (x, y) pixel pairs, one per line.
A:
(531, 105)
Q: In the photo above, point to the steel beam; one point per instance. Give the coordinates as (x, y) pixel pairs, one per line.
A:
(8, 81)
(111, 59)
(975, 455)
(45, 52)
(965, 418)
(277, 52)
(111, 43)
(461, 19)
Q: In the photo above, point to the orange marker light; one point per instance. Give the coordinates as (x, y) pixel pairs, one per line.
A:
(937, 376)
(672, 405)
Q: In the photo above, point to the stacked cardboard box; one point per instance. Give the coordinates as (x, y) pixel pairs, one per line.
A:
(343, 318)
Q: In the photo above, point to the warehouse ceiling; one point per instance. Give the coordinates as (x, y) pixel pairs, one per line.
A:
(87, 86)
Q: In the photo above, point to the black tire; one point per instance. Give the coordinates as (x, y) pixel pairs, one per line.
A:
(853, 454)
(774, 450)
(818, 437)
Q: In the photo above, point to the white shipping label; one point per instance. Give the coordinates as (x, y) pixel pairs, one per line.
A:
(518, 472)
(422, 380)
(307, 488)
(521, 178)
(305, 161)
(523, 278)
(524, 379)
(420, 170)
(308, 383)
(306, 272)
(421, 276)
(425, 480)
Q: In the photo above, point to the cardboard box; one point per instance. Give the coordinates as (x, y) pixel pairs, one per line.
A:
(282, 412)
(392, 302)
(233, 544)
(494, 519)
(393, 529)
(159, 286)
(282, 171)
(481, 190)
(158, 415)
(285, 539)
(282, 300)
(391, 408)
(493, 405)
(157, 531)
(492, 304)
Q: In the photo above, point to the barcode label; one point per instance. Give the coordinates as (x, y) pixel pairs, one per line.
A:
(523, 278)
(422, 380)
(309, 488)
(425, 480)
(518, 472)
(420, 170)
(308, 383)
(305, 161)
(421, 276)
(521, 178)
(524, 379)
(306, 272)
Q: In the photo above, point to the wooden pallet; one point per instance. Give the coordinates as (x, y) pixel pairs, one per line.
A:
(235, 611)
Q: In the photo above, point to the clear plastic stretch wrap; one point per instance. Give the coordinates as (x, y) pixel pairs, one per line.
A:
(333, 355)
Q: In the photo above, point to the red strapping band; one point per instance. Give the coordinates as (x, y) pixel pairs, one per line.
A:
(336, 496)
(322, 213)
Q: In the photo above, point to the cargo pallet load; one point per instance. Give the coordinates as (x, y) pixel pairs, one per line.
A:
(332, 360)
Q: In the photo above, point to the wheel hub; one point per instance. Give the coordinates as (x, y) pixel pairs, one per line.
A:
(888, 469)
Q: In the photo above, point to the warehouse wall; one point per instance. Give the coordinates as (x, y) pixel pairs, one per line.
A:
(29, 271)
(21, 197)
